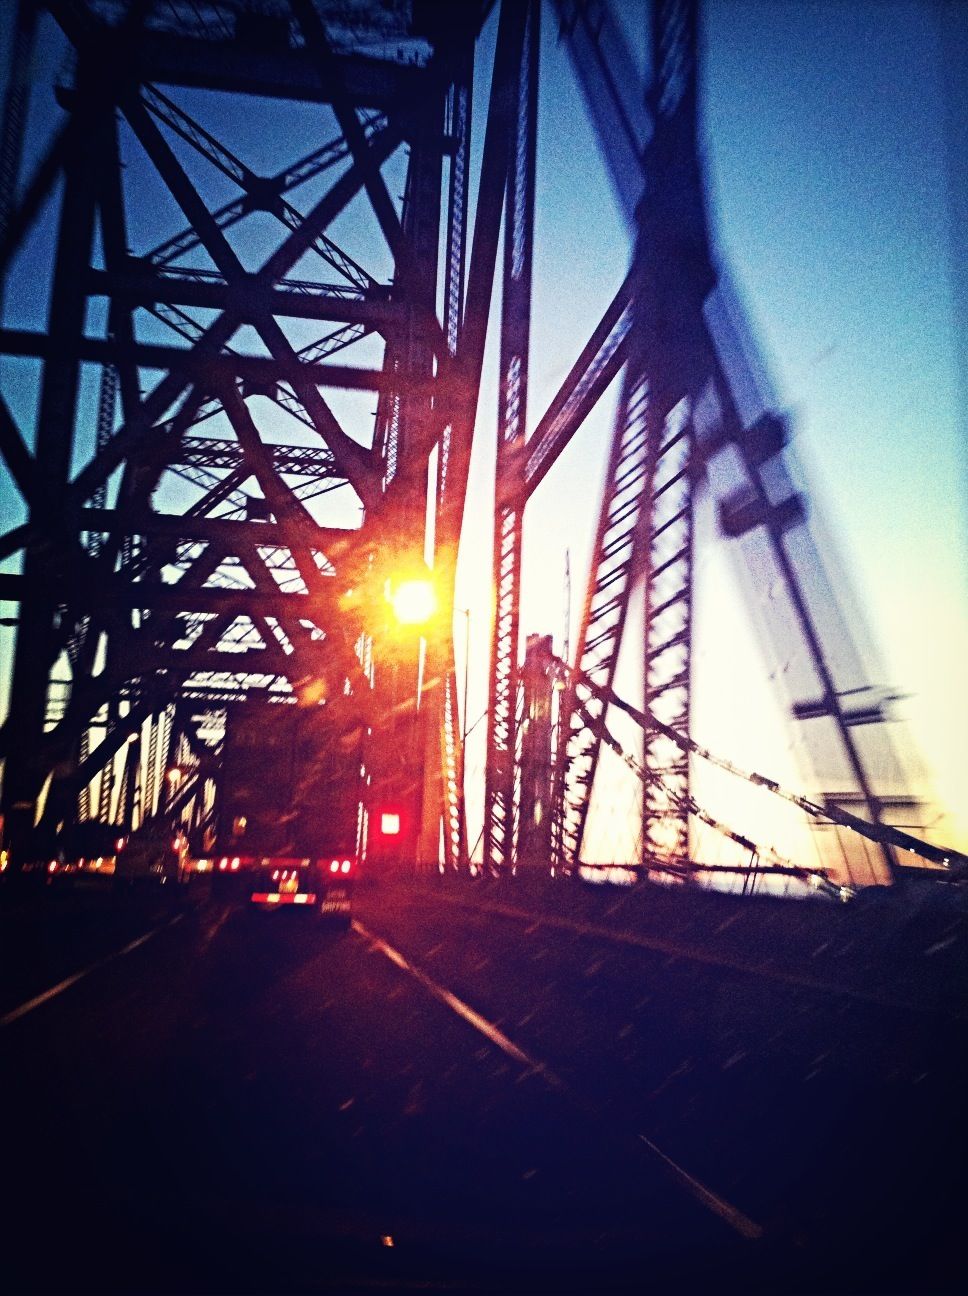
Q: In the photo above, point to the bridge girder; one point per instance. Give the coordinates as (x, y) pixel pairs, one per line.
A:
(236, 579)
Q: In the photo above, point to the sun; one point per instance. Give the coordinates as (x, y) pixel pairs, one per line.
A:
(414, 602)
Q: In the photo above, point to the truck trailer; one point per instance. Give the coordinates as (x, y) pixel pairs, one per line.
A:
(289, 823)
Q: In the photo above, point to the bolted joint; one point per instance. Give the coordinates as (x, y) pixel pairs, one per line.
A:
(263, 193)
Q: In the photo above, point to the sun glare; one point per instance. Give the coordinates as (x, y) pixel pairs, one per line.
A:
(414, 602)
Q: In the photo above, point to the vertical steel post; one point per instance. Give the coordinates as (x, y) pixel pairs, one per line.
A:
(416, 714)
(451, 732)
(501, 788)
(37, 642)
(15, 105)
(615, 563)
(538, 680)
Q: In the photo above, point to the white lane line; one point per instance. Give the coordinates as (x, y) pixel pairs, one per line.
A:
(726, 1211)
(486, 1028)
(694, 954)
(733, 1216)
(16, 1013)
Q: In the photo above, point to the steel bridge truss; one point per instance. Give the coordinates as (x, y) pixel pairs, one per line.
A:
(208, 526)
(205, 513)
(694, 412)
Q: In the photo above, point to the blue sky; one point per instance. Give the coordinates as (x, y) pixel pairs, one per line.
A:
(830, 138)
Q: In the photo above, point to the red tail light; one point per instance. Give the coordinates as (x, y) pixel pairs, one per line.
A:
(343, 866)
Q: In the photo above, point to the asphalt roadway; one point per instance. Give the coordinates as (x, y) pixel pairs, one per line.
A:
(477, 1090)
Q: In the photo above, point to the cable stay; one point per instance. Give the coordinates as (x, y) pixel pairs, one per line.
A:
(883, 834)
(768, 861)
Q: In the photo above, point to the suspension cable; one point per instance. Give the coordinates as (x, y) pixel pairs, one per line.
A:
(773, 863)
(883, 834)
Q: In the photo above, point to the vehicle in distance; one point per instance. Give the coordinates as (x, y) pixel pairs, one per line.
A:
(155, 854)
(323, 884)
(289, 823)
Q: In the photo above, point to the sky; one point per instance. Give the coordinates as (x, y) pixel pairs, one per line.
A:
(833, 204)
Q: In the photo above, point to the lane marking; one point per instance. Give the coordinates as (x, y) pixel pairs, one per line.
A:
(694, 954)
(733, 1216)
(486, 1028)
(726, 1211)
(16, 1013)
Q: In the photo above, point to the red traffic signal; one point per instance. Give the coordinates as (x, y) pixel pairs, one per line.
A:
(389, 821)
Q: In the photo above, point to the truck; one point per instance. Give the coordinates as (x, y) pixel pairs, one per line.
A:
(153, 855)
(289, 821)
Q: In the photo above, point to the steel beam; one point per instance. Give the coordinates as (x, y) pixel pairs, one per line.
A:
(591, 375)
(204, 368)
(37, 639)
(290, 74)
(502, 770)
(249, 299)
(452, 725)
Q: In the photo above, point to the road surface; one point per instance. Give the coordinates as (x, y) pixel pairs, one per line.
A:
(472, 1090)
